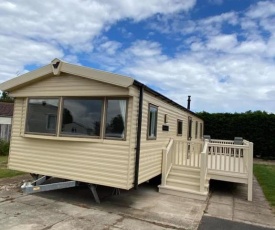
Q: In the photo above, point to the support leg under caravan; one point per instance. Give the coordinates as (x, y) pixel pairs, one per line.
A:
(38, 186)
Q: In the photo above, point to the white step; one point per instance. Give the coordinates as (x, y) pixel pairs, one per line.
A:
(183, 184)
(185, 170)
(183, 192)
(184, 177)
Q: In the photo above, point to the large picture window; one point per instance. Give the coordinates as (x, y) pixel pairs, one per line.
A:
(81, 117)
(42, 116)
(116, 118)
(77, 117)
(152, 122)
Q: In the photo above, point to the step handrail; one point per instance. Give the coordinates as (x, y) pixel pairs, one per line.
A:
(166, 161)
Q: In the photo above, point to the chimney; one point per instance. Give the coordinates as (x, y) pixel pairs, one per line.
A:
(188, 102)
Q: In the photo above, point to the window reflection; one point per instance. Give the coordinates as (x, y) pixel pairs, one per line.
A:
(115, 120)
(152, 123)
(81, 117)
(42, 116)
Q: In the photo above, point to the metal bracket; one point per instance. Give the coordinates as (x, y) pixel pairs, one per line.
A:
(92, 187)
(36, 186)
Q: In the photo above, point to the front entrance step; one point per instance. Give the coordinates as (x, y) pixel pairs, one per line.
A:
(185, 181)
(183, 184)
(183, 192)
(184, 177)
(185, 170)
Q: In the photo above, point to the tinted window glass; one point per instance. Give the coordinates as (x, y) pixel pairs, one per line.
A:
(81, 117)
(115, 118)
(152, 122)
(179, 127)
(42, 116)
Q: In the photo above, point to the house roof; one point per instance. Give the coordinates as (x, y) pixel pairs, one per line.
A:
(6, 109)
(57, 66)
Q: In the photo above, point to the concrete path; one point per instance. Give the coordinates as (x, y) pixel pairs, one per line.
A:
(75, 209)
(229, 201)
(143, 209)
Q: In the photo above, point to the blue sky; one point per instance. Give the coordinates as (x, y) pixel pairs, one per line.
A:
(221, 52)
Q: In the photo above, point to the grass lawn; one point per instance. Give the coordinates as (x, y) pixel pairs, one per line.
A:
(265, 174)
(4, 172)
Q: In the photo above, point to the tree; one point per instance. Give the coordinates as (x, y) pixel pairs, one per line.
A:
(5, 97)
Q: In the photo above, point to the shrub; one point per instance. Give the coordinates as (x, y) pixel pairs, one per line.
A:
(4, 148)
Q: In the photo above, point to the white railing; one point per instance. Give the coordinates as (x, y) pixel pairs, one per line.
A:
(218, 141)
(187, 153)
(227, 157)
(167, 161)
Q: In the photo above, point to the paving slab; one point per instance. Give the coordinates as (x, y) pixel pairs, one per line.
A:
(229, 201)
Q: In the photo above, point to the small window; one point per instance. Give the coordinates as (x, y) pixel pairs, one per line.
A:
(116, 118)
(196, 130)
(41, 116)
(179, 128)
(81, 117)
(189, 128)
(201, 133)
(165, 118)
(152, 122)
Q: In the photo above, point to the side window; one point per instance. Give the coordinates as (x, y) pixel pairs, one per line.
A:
(152, 122)
(201, 133)
(189, 128)
(116, 118)
(41, 116)
(196, 130)
(179, 128)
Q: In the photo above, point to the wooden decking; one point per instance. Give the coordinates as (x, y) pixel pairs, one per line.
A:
(217, 159)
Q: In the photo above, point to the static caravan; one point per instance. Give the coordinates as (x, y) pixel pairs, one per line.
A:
(92, 126)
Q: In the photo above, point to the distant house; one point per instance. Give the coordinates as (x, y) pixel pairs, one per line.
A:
(6, 113)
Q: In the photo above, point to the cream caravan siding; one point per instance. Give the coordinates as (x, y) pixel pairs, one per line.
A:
(151, 150)
(69, 85)
(104, 162)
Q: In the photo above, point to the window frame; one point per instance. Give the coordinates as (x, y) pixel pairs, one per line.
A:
(27, 114)
(179, 121)
(105, 118)
(148, 122)
(81, 136)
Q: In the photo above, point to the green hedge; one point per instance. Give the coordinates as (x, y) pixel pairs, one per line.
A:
(4, 148)
(257, 127)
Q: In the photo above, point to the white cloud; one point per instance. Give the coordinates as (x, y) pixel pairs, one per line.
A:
(229, 70)
(34, 32)
(263, 9)
(222, 42)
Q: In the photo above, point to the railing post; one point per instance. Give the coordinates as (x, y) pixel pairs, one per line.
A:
(250, 172)
(203, 166)
(164, 163)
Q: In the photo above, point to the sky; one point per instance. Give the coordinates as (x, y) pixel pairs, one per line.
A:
(221, 52)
